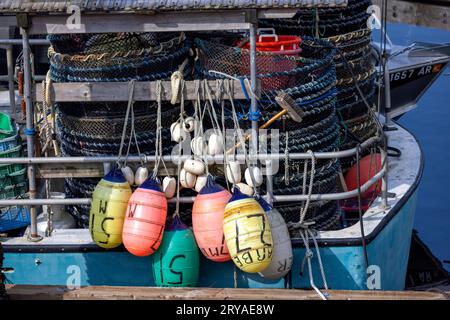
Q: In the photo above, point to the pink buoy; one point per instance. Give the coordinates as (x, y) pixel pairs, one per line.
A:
(145, 219)
(207, 221)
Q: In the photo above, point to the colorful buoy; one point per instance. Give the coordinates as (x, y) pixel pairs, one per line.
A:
(369, 166)
(207, 221)
(282, 246)
(247, 233)
(145, 219)
(109, 204)
(176, 263)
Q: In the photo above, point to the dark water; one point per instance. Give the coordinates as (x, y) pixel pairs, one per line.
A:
(430, 123)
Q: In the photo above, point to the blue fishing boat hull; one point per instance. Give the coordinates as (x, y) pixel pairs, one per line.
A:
(344, 266)
(70, 257)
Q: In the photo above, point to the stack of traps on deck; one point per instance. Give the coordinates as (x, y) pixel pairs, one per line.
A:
(347, 29)
(94, 129)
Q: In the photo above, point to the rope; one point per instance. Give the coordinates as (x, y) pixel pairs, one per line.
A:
(177, 205)
(47, 127)
(308, 257)
(241, 138)
(304, 209)
(158, 141)
(125, 123)
(361, 222)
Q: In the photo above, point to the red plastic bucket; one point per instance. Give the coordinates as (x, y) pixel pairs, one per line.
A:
(283, 45)
(274, 48)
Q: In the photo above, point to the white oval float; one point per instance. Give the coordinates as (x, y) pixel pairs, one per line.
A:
(234, 174)
(169, 186)
(257, 175)
(128, 173)
(245, 189)
(215, 144)
(140, 176)
(201, 182)
(194, 166)
(187, 179)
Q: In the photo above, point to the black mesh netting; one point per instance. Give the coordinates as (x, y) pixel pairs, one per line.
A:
(116, 57)
(347, 30)
(310, 80)
(321, 81)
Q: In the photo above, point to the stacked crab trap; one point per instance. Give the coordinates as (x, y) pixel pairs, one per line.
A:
(309, 80)
(13, 183)
(348, 31)
(96, 129)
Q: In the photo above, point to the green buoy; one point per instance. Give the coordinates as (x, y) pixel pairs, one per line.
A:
(176, 263)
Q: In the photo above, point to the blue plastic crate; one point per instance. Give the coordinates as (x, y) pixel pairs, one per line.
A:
(14, 218)
(9, 143)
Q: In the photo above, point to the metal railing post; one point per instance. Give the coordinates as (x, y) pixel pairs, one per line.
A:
(387, 94)
(30, 133)
(253, 78)
(10, 66)
(384, 179)
(269, 181)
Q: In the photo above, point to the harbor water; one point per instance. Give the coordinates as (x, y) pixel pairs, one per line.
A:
(430, 123)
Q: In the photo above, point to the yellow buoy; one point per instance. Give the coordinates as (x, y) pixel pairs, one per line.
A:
(247, 233)
(108, 208)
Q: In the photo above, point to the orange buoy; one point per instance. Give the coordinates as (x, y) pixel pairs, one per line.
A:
(145, 219)
(207, 221)
(369, 166)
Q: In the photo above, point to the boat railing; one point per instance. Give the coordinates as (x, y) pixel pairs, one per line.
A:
(267, 158)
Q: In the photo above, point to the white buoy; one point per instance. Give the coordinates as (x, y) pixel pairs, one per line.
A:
(282, 246)
(245, 189)
(128, 173)
(194, 166)
(257, 175)
(215, 144)
(140, 176)
(187, 179)
(201, 182)
(169, 186)
(177, 133)
(198, 146)
(233, 172)
(189, 124)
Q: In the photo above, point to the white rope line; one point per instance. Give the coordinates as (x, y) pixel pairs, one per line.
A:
(125, 124)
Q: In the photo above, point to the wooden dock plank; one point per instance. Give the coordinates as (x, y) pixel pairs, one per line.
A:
(20, 292)
(118, 91)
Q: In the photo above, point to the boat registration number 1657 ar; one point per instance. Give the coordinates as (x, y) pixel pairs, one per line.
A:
(416, 73)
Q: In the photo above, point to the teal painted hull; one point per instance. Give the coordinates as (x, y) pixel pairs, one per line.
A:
(344, 266)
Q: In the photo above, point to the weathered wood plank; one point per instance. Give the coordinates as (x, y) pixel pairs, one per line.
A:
(421, 14)
(161, 22)
(118, 91)
(54, 171)
(79, 170)
(18, 292)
